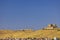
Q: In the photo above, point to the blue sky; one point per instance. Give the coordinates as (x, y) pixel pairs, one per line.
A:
(29, 14)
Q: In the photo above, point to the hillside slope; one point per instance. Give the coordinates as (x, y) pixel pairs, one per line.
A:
(50, 33)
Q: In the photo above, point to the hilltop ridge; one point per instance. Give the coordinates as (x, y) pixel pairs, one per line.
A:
(50, 31)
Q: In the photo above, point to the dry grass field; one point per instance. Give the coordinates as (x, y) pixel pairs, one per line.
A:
(50, 33)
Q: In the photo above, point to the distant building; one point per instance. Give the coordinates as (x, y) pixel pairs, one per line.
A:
(51, 26)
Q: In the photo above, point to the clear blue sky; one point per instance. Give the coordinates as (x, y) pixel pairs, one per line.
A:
(29, 14)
